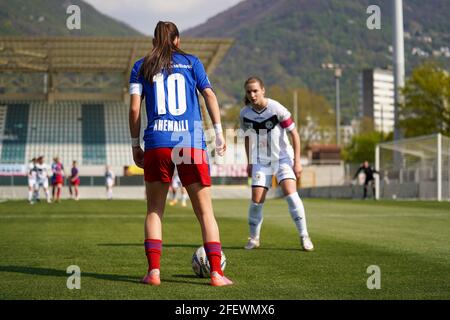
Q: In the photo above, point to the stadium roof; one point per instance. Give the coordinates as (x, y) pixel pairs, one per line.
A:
(65, 60)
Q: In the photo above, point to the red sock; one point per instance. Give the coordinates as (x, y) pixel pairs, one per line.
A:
(153, 249)
(214, 253)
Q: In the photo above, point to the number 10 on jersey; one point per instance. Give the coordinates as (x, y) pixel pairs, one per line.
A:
(176, 94)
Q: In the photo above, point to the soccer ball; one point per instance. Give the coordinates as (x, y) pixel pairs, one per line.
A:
(200, 263)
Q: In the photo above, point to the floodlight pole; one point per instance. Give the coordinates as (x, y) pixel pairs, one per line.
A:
(399, 62)
(296, 109)
(377, 168)
(439, 167)
(338, 75)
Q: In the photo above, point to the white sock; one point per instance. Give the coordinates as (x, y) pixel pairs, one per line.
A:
(297, 212)
(255, 219)
(110, 194)
(47, 195)
(184, 197)
(30, 195)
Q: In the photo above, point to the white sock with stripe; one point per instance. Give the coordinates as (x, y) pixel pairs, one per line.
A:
(297, 212)
(255, 219)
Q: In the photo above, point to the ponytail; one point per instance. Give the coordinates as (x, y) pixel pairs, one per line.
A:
(160, 58)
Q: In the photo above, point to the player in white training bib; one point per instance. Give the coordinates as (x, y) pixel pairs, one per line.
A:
(32, 176)
(267, 124)
(42, 178)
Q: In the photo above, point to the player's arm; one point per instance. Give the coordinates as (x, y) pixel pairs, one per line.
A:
(247, 153)
(135, 129)
(212, 106)
(295, 137)
(288, 124)
(357, 172)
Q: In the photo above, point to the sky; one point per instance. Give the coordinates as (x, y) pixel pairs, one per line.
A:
(144, 14)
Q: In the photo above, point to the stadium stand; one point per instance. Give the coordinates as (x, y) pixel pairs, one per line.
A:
(68, 97)
(117, 134)
(3, 109)
(15, 133)
(93, 134)
(55, 130)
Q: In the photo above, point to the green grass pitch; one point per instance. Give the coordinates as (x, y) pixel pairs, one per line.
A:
(409, 241)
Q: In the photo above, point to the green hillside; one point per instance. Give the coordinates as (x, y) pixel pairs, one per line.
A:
(48, 18)
(287, 41)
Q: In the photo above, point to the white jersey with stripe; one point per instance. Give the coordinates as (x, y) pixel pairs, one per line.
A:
(32, 172)
(42, 171)
(271, 143)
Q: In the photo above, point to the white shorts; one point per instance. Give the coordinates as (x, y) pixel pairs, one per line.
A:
(262, 174)
(31, 183)
(42, 183)
(109, 183)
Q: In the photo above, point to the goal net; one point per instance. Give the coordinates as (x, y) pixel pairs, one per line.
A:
(415, 168)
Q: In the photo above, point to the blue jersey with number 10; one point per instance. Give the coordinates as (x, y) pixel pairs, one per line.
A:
(173, 110)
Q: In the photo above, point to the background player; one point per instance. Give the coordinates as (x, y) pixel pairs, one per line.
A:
(174, 188)
(74, 181)
(42, 178)
(169, 80)
(57, 178)
(369, 178)
(270, 154)
(110, 178)
(32, 176)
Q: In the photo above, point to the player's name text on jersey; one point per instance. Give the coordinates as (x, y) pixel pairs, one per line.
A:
(182, 66)
(169, 125)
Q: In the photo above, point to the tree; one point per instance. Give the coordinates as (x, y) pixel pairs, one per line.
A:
(362, 147)
(316, 118)
(426, 107)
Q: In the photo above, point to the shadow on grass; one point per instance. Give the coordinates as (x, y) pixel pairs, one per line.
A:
(110, 277)
(187, 276)
(172, 245)
(62, 273)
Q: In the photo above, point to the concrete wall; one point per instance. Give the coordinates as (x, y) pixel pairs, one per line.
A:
(129, 192)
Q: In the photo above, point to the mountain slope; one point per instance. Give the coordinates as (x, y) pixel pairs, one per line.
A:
(287, 41)
(48, 18)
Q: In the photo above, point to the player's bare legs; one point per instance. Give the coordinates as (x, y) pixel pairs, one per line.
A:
(156, 200)
(184, 196)
(297, 211)
(255, 216)
(58, 191)
(259, 194)
(202, 204)
(75, 187)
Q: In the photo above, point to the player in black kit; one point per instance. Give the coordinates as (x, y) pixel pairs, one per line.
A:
(369, 172)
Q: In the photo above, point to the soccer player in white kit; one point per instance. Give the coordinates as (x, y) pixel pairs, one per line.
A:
(42, 177)
(32, 176)
(269, 124)
(175, 186)
(110, 178)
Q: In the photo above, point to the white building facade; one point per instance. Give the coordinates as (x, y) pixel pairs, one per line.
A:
(377, 98)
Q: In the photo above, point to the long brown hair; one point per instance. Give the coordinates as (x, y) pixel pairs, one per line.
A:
(250, 80)
(160, 58)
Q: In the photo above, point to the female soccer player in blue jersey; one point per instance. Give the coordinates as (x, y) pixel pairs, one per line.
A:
(269, 153)
(169, 79)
